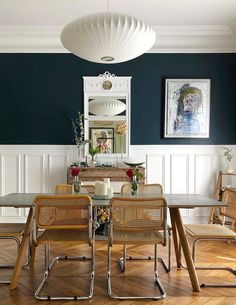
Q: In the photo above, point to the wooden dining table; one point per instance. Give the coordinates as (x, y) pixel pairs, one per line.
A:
(175, 202)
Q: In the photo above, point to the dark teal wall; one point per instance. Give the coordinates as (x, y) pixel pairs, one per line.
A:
(40, 93)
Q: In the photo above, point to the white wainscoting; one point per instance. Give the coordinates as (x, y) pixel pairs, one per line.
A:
(179, 168)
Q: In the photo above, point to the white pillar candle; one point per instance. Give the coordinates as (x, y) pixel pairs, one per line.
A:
(98, 188)
(107, 181)
(110, 191)
(103, 189)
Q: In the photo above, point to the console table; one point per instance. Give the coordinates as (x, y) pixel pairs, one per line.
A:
(116, 174)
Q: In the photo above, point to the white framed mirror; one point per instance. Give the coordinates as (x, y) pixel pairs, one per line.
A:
(107, 113)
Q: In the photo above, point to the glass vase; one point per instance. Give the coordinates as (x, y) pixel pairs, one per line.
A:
(76, 185)
(134, 186)
(80, 154)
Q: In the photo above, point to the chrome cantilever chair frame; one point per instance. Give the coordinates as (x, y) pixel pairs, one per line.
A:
(14, 232)
(154, 188)
(214, 232)
(143, 209)
(78, 202)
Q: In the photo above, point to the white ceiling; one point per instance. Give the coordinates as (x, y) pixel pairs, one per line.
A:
(180, 25)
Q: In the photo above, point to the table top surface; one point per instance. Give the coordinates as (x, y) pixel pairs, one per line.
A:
(25, 200)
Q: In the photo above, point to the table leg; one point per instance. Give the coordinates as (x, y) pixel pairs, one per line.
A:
(176, 241)
(177, 222)
(22, 251)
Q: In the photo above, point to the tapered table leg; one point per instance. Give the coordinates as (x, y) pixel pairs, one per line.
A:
(178, 224)
(22, 251)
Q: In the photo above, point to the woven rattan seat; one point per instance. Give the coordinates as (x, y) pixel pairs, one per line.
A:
(67, 219)
(209, 231)
(137, 221)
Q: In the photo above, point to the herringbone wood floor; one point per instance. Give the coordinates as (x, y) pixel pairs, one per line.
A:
(139, 277)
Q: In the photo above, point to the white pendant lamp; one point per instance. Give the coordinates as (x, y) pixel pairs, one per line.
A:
(106, 106)
(108, 37)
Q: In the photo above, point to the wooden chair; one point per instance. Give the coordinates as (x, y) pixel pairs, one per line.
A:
(137, 221)
(68, 188)
(64, 189)
(215, 232)
(64, 219)
(156, 189)
(13, 231)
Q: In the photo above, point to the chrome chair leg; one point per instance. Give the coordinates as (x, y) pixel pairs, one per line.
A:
(194, 254)
(12, 265)
(48, 267)
(157, 280)
(166, 266)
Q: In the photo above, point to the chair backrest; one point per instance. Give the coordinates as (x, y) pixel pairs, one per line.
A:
(68, 189)
(229, 197)
(154, 188)
(63, 212)
(139, 214)
(125, 188)
(64, 189)
(90, 188)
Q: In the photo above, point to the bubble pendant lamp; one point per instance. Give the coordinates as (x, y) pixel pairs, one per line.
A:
(108, 37)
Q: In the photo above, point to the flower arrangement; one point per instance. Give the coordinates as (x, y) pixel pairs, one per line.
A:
(227, 153)
(121, 128)
(78, 129)
(76, 183)
(135, 176)
(103, 215)
(75, 171)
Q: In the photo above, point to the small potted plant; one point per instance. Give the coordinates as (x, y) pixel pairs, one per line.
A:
(93, 151)
(228, 156)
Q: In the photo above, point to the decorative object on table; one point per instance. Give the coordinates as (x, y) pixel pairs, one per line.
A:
(117, 37)
(93, 151)
(187, 108)
(78, 129)
(121, 130)
(102, 138)
(76, 182)
(136, 176)
(134, 164)
(103, 218)
(228, 156)
(103, 189)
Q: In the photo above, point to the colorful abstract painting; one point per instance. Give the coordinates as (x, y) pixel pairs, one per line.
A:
(187, 108)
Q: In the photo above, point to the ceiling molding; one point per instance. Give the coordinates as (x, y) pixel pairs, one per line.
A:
(170, 39)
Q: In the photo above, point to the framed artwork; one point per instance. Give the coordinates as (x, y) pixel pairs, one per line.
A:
(187, 108)
(102, 138)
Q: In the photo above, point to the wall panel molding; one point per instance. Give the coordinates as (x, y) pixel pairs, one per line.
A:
(179, 168)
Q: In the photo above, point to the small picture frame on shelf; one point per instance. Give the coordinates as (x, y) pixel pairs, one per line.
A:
(187, 108)
(102, 138)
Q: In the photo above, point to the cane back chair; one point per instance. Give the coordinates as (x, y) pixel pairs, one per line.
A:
(215, 232)
(65, 219)
(68, 188)
(154, 188)
(137, 221)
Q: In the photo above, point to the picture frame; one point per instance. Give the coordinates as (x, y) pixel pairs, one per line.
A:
(187, 108)
(103, 138)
